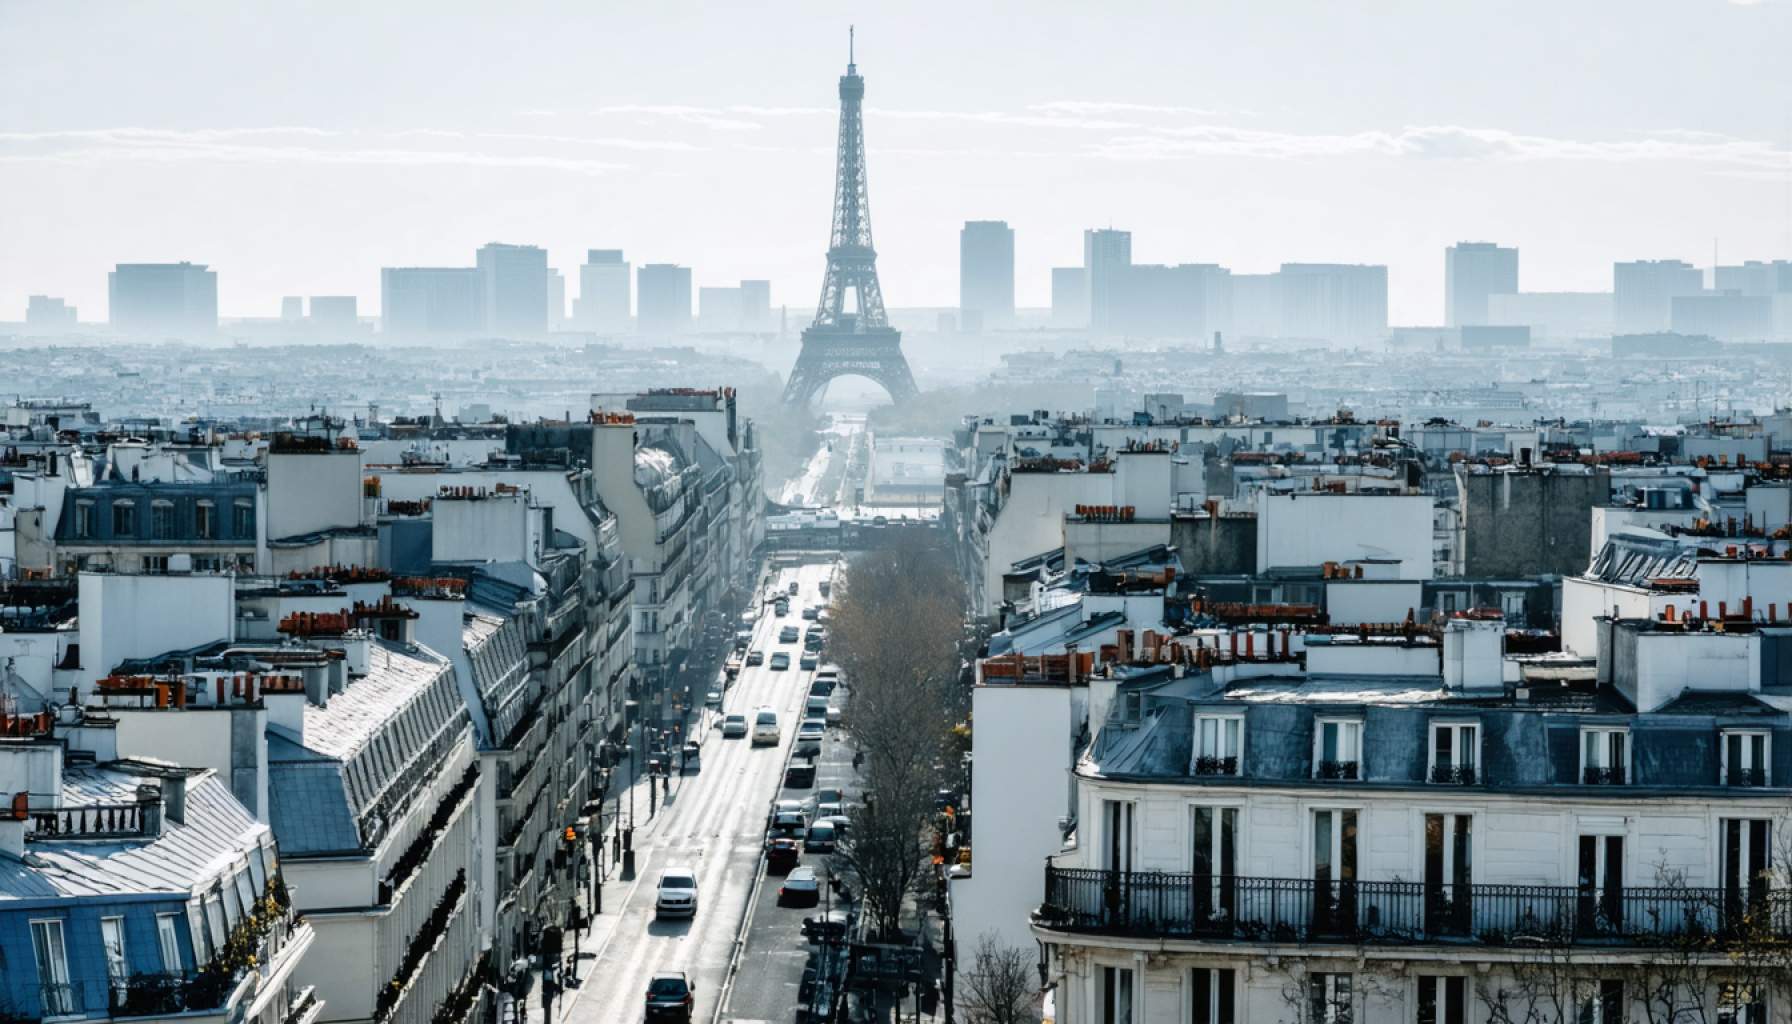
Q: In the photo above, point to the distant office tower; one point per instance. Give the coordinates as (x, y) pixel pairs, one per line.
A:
(1105, 253)
(432, 300)
(1472, 272)
(1070, 297)
(986, 271)
(664, 290)
(163, 298)
(292, 308)
(1726, 316)
(1191, 300)
(1257, 305)
(1756, 278)
(756, 306)
(1334, 301)
(556, 300)
(718, 309)
(1555, 314)
(603, 292)
(1643, 293)
(515, 280)
(336, 312)
(45, 313)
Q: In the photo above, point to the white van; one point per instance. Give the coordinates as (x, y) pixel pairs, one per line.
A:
(765, 727)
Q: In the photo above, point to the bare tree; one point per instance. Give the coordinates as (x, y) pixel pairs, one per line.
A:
(884, 847)
(1001, 987)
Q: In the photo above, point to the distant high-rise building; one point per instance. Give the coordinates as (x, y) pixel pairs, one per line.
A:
(292, 308)
(1257, 305)
(1070, 297)
(432, 300)
(603, 302)
(1472, 272)
(718, 309)
(44, 313)
(163, 298)
(556, 300)
(334, 312)
(1191, 300)
(1555, 314)
(1643, 293)
(756, 306)
(1334, 301)
(1755, 278)
(664, 291)
(1726, 316)
(1106, 253)
(515, 280)
(986, 271)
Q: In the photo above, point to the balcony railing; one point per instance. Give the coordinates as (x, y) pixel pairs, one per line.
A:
(1337, 770)
(1746, 777)
(1603, 776)
(1216, 766)
(1232, 908)
(89, 821)
(1453, 774)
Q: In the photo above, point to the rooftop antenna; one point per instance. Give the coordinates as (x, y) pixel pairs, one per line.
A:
(850, 48)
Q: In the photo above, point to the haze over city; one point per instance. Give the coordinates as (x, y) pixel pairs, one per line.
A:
(300, 148)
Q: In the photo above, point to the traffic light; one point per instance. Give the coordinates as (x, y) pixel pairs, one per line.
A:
(570, 836)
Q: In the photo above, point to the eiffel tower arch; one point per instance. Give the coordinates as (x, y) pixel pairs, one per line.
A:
(853, 339)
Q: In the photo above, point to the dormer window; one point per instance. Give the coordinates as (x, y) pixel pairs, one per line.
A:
(1219, 744)
(205, 519)
(84, 519)
(124, 518)
(1455, 753)
(161, 519)
(1745, 757)
(1604, 755)
(1337, 748)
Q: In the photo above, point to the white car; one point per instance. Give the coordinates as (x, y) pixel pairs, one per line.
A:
(808, 737)
(734, 726)
(833, 715)
(677, 893)
(765, 728)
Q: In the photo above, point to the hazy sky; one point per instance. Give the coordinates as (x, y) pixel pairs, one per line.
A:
(297, 149)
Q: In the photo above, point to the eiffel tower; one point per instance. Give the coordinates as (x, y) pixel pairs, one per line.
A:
(861, 342)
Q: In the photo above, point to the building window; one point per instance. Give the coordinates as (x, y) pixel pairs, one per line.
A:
(112, 937)
(1214, 845)
(205, 520)
(1328, 998)
(1213, 995)
(84, 519)
(1449, 602)
(1337, 750)
(1604, 756)
(1334, 871)
(168, 938)
(1449, 874)
(1740, 1004)
(1603, 1003)
(1219, 744)
(1745, 757)
(1117, 832)
(1116, 995)
(1512, 606)
(242, 521)
(52, 968)
(1443, 1000)
(1745, 844)
(202, 947)
(244, 892)
(124, 519)
(214, 919)
(161, 520)
(155, 563)
(1455, 752)
(1599, 905)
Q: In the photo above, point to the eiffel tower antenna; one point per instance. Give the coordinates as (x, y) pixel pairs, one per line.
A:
(850, 338)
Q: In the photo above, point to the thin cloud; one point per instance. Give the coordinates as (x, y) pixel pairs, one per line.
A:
(239, 145)
(607, 141)
(1082, 108)
(708, 117)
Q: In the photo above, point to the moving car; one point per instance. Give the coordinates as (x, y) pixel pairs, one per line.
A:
(713, 698)
(781, 608)
(800, 889)
(788, 635)
(799, 774)
(788, 807)
(807, 662)
(669, 997)
(787, 825)
(780, 661)
(808, 738)
(824, 927)
(826, 586)
(830, 795)
(828, 808)
(820, 838)
(677, 893)
(765, 727)
(793, 588)
(734, 726)
(810, 612)
(755, 657)
(782, 854)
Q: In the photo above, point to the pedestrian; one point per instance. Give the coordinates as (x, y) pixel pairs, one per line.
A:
(858, 759)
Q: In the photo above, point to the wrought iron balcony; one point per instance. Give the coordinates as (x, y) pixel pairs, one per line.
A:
(1217, 908)
(1216, 766)
(1337, 770)
(1453, 774)
(1603, 776)
(1746, 777)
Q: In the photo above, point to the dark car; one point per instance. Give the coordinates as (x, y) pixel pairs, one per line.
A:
(800, 775)
(826, 927)
(669, 997)
(820, 838)
(781, 855)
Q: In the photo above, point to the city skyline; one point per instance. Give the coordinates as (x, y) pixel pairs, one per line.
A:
(1326, 154)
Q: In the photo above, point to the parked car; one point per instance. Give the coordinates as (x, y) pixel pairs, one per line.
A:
(820, 838)
(788, 806)
(826, 587)
(793, 588)
(713, 699)
(807, 661)
(808, 738)
(755, 657)
(669, 997)
(734, 726)
(834, 715)
(824, 927)
(816, 706)
(780, 661)
(677, 893)
(799, 774)
(781, 855)
(800, 889)
(765, 727)
(811, 612)
(828, 808)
